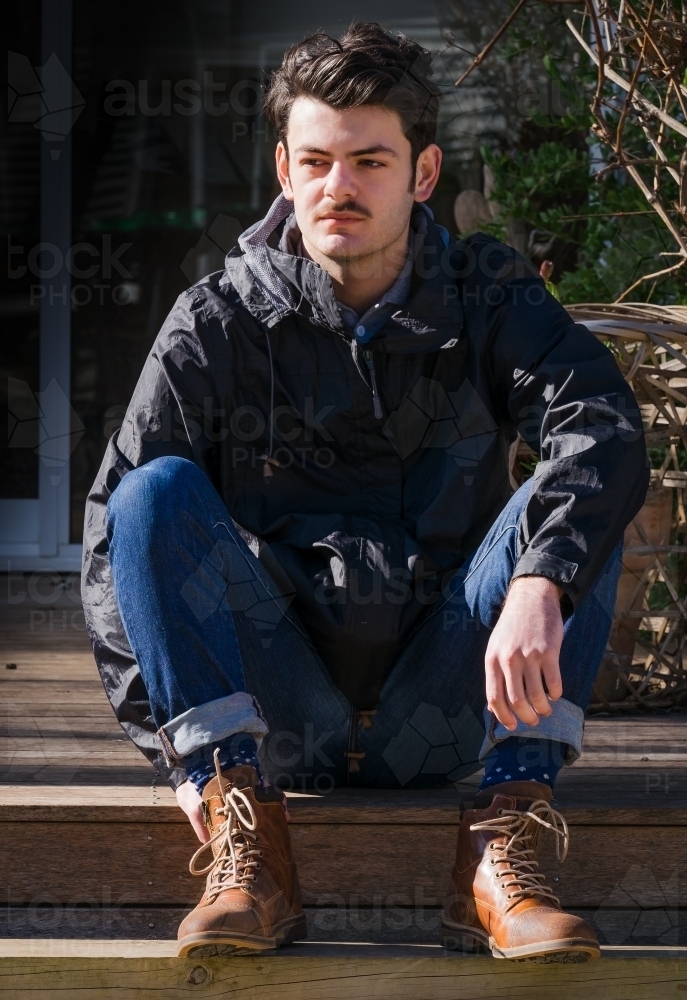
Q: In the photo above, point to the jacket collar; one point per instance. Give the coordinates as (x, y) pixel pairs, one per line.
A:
(273, 284)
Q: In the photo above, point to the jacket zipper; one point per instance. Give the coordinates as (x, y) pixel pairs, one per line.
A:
(376, 401)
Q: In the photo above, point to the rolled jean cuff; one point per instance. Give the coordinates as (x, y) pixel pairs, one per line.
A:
(210, 723)
(564, 725)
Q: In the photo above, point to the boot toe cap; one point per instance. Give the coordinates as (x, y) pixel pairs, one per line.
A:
(233, 916)
(547, 924)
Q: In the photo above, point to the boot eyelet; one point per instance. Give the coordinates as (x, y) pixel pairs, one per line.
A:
(492, 862)
(499, 812)
(492, 847)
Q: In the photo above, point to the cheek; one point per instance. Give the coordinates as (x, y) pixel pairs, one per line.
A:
(391, 203)
(307, 197)
(307, 191)
(388, 189)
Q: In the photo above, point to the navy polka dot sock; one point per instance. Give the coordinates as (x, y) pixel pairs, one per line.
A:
(523, 759)
(240, 748)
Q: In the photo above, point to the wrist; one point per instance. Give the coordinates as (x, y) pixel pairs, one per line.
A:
(544, 588)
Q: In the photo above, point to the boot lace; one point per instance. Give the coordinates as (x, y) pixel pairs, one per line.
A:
(236, 863)
(520, 826)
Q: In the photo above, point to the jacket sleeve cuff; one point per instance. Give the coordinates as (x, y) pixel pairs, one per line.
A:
(559, 571)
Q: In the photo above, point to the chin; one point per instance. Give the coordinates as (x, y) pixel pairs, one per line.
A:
(343, 246)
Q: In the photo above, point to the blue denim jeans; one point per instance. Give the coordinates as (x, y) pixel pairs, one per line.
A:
(221, 651)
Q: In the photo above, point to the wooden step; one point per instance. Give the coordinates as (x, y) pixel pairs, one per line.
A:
(92, 847)
(138, 970)
(370, 862)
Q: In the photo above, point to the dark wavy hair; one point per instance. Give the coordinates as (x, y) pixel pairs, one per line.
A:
(367, 65)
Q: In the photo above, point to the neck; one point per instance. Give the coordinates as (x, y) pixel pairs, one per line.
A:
(359, 282)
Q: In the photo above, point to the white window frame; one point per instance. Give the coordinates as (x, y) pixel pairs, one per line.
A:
(34, 533)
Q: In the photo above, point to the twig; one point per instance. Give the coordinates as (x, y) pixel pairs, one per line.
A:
(491, 43)
(654, 200)
(616, 78)
(633, 82)
(609, 215)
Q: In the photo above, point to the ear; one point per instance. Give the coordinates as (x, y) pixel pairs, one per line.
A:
(282, 160)
(427, 172)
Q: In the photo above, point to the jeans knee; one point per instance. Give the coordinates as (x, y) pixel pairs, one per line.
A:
(161, 486)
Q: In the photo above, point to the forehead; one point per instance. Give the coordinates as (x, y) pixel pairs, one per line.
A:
(314, 123)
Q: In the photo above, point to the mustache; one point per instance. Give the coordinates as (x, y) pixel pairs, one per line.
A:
(347, 206)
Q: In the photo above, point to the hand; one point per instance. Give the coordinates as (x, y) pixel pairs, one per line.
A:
(190, 801)
(524, 648)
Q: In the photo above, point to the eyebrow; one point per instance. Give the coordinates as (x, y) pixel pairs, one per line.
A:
(379, 148)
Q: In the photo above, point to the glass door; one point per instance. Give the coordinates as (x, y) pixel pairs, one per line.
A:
(136, 154)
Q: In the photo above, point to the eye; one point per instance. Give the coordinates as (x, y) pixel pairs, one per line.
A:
(372, 163)
(311, 161)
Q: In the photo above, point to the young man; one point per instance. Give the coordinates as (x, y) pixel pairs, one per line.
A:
(305, 527)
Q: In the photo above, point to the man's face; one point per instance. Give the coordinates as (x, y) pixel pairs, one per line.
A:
(349, 176)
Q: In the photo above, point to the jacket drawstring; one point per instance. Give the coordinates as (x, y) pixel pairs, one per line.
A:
(376, 401)
(268, 460)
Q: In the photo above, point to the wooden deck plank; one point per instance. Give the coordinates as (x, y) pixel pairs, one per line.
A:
(57, 729)
(372, 924)
(333, 973)
(122, 803)
(76, 794)
(339, 864)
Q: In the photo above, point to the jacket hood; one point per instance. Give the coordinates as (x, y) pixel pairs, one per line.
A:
(273, 284)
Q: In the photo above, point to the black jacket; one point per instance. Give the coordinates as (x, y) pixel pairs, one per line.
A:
(364, 518)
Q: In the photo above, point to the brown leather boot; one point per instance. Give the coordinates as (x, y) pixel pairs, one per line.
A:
(498, 899)
(252, 899)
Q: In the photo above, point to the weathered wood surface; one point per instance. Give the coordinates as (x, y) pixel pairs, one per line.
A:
(57, 730)
(617, 798)
(401, 865)
(78, 803)
(376, 924)
(310, 972)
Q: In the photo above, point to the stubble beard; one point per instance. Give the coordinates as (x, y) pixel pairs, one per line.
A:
(359, 261)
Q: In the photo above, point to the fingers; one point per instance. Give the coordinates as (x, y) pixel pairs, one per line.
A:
(514, 671)
(552, 675)
(497, 702)
(534, 688)
(199, 828)
(190, 801)
(515, 687)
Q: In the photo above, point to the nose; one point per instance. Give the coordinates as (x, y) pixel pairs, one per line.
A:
(340, 184)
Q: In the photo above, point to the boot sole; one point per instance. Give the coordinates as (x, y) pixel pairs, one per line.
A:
(473, 941)
(211, 944)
